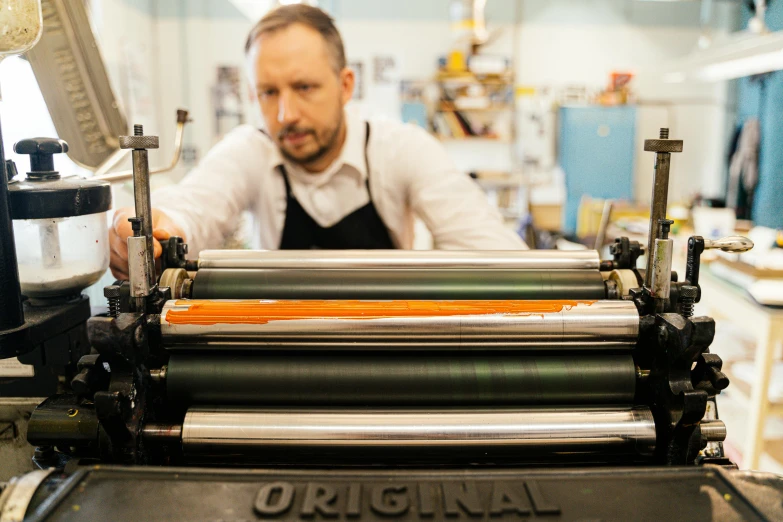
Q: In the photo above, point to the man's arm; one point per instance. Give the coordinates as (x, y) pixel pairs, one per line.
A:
(206, 205)
(452, 205)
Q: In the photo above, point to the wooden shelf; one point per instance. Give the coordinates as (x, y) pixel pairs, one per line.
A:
(470, 78)
(741, 390)
(774, 448)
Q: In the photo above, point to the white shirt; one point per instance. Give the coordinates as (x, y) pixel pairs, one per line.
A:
(411, 175)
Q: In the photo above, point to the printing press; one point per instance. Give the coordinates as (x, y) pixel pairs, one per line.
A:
(377, 384)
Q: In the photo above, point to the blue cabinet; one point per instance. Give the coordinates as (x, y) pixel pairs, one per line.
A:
(596, 152)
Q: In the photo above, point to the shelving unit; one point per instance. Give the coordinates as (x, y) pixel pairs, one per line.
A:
(478, 113)
(470, 106)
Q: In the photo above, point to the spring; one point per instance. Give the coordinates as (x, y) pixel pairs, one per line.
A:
(688, 296)
(114, 306)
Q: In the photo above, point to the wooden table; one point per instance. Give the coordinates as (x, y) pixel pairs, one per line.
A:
(727, 302)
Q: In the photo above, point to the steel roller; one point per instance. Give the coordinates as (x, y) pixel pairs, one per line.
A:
(393, 325)
(574, 432)
(428, 379)
(406, 259)
(396, 283)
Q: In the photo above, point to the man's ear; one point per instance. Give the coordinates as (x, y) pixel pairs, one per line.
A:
(347, 82)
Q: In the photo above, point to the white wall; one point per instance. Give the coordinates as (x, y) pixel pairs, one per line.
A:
(558, 55)
(552, 47)
(191, 51)
(130, 50)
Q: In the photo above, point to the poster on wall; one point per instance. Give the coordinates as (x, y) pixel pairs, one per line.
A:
(385, 70)
(227, 100)
(136, 83)
(358, 72)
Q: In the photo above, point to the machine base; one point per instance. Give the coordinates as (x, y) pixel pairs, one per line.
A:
(621, 493)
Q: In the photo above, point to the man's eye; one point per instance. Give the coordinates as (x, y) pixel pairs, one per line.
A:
(268, 92)
(304, 87)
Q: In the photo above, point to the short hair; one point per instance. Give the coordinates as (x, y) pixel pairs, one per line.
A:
(312, 17)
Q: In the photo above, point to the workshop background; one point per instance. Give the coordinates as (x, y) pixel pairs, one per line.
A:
(546, 106)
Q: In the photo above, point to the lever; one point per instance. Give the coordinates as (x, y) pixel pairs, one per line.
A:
(697, 245)
(735, 244)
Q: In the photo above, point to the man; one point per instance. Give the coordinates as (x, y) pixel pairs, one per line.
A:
(317, 176)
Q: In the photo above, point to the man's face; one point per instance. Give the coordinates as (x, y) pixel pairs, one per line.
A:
(300, 94)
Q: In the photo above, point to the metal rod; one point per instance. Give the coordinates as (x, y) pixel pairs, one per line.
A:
(11, 313)
(358, 325)
(49, 240)
(660, 285)
(396, 283)
(713, 431)
(622, 430)
(139, 143)
(404, 259)
(663, 147)
(141, 196)
(408, 379)
(110, 162)
(658, 207)
(162, 432)
(138, 271)
(182, 119)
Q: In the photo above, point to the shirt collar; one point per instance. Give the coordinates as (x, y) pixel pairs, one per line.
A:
(352, 154)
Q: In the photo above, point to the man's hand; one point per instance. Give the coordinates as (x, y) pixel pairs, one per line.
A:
(162, 228)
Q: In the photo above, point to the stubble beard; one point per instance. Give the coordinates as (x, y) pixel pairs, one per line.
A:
(323, 148)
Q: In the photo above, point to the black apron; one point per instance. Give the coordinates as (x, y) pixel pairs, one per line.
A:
(361, 229)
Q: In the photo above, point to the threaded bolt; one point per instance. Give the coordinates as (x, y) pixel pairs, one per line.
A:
(112, 294)
(664, 133)
(688, 294)
(138, 130)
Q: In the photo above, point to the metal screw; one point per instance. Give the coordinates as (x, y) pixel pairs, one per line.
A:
(664, 133)
(113, 294)
(688, 294)
(138, 130)
(135, 225)
(664, 227)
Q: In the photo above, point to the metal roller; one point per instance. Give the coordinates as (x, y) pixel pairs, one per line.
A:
(375, 283)
(380, 380)
(406, 259)
(392, 325)
(531, 432)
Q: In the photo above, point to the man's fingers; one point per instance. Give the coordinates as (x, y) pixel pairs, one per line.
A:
(118, 245)
(120, 224)
(161, 233)
(156, 248)
(118, 275)
(121, 230)
(119, 266)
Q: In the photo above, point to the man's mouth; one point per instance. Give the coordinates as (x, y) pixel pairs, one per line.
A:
(295, 138)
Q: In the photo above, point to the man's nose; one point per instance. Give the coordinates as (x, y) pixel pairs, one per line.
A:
(287, 111)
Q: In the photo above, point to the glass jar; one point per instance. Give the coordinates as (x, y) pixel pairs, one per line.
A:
(60, 224)
(21, 26)
(61, 256)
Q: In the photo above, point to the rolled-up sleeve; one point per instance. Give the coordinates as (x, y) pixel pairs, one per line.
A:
(209, 201)
(451, 205)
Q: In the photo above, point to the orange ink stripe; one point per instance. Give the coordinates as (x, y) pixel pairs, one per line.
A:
(260, 312)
